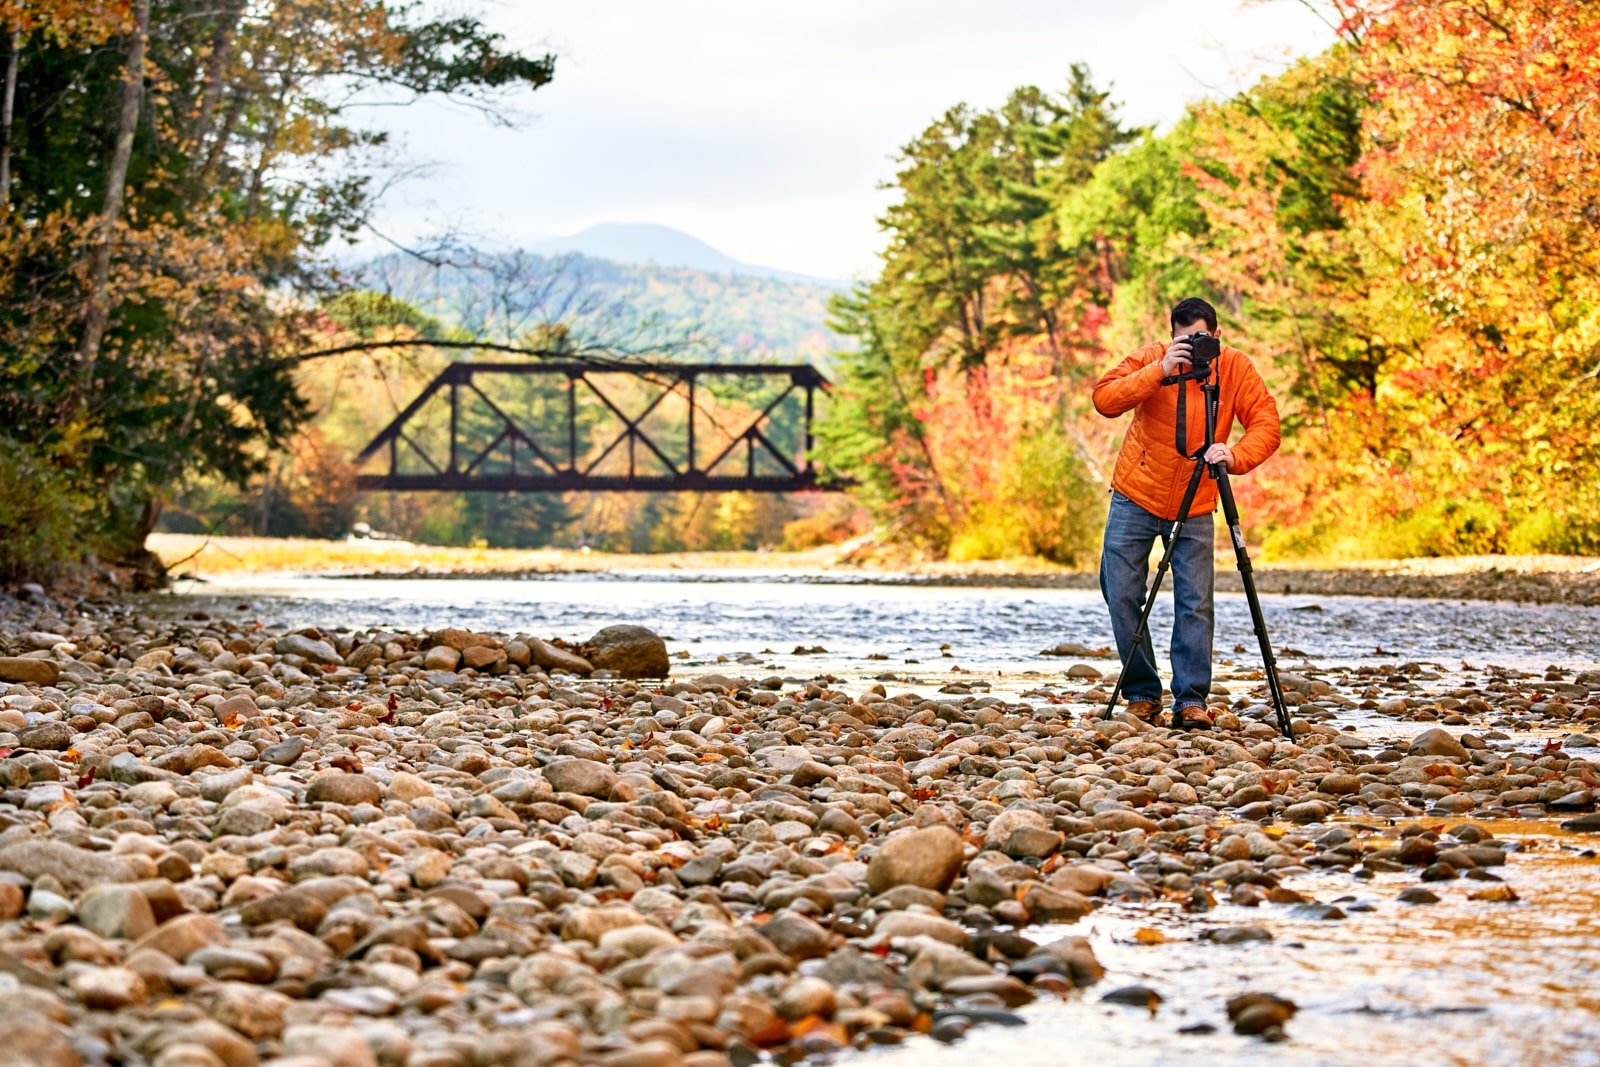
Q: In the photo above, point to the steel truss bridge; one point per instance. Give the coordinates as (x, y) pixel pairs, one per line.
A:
(598, 424)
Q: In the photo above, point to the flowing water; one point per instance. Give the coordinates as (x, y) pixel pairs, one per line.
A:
(1458, 982)
(992, 629)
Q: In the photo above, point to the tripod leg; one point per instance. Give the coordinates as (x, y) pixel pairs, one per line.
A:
(1230, 512)
(1162, 567)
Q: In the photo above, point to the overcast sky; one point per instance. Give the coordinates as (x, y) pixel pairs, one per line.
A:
(765, 127)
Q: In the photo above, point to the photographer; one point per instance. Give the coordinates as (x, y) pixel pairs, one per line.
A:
(1148, 487)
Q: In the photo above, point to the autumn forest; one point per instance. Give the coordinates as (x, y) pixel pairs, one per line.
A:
(1398, 231)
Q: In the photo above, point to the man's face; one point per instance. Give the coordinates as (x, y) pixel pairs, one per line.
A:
(1194, 327)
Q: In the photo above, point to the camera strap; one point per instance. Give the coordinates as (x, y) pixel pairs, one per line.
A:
(1181, 425)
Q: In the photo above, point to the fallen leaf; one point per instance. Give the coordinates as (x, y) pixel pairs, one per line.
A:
(774, 1033)
(1146, 936)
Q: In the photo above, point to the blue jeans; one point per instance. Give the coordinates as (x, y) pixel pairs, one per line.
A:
(1131, 532)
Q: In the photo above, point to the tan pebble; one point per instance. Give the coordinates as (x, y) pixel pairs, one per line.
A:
(645, 1054)
(236, 709)
(27, 1000)
(339, 1046)
(807, 996)
(107, 988)
(71, 943)
(46, 1044)
(408, 787)
(255, 1013)
(183, 936)
(183, 1054)
(637, 941)
(12, 901)
(918, 924)
(224, 865)
(116, 911)
(428, 867)
(1083, 878)
(441, 658)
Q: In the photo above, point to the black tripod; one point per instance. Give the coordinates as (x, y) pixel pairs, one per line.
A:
(1230, 511)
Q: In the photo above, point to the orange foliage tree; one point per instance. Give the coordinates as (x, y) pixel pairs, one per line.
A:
(1399, 231)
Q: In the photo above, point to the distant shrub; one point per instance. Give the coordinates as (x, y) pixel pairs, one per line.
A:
(837, 521)
(41, 518)
(1446, 528)
(1048, 507)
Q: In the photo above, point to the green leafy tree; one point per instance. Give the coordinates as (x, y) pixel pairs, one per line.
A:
(175, 170)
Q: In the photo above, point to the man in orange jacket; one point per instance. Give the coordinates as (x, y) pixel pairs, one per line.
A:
(1147, 488)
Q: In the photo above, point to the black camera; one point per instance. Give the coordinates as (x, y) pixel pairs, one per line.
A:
(1203, 349)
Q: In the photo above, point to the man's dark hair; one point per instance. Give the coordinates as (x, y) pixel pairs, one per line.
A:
(1194, 308)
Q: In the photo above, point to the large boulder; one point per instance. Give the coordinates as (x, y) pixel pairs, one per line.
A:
(346, 789)
(76, 868)
(308, 647)
(585, 777)
(461, 640)
(1437, 742)
(631, 651)
(29, 670)
(930, 858)
(549, 657)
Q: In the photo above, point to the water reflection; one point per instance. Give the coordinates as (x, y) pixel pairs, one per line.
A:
(1460, 982)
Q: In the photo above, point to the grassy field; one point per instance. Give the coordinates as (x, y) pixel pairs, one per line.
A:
(194, 554)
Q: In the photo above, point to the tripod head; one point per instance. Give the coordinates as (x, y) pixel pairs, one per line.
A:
(1193, 374)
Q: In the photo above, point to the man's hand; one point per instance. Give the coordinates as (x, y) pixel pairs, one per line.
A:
(1220, 453)
(1176, 361)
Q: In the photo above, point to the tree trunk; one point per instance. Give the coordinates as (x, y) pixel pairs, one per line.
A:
(98, 312)
(216, 71)
(7, 108)
(148, 570)
(219, 144)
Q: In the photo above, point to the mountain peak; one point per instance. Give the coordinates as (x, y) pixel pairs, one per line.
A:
(648, 243)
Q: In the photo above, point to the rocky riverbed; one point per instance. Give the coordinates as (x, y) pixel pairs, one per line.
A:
(223, 843)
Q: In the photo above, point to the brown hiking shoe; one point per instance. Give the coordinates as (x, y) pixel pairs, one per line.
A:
(1144, 710)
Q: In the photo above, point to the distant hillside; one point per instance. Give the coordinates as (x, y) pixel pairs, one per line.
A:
(739, 316)
(648, 244)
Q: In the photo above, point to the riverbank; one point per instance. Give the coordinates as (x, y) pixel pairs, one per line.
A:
(1527, 579)
(227, 842)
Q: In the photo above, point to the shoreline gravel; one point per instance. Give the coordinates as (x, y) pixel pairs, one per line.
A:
(222, 843)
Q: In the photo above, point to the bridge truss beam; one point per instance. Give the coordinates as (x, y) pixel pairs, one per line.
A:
(517, 458)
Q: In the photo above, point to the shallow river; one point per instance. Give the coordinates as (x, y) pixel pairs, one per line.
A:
(989, 628)
(1459, 982)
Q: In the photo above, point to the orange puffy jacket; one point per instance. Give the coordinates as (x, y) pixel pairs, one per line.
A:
(1150, 472)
